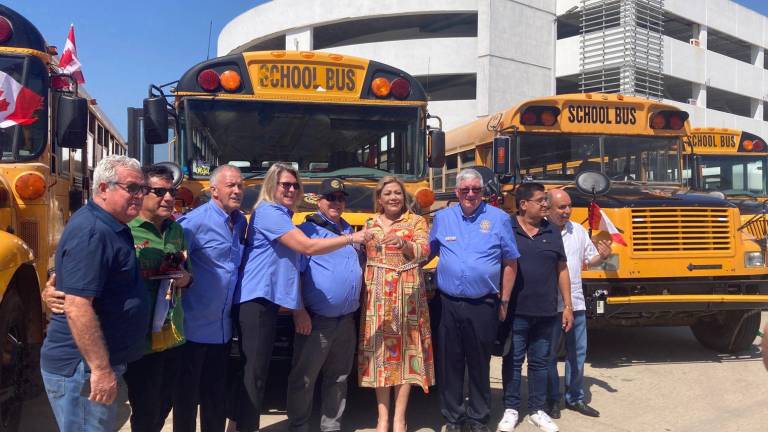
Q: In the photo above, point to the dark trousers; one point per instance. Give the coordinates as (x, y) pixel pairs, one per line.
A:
(151, 382)
(256, 324)
(202, 380)
(466, 334)
(330, 349)
(531, 336)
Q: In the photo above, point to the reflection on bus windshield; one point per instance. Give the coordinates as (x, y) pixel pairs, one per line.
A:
(318, 140)
(624, 158)
(732, 174)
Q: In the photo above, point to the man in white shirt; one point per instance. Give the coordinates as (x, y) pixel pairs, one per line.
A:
(579, 250)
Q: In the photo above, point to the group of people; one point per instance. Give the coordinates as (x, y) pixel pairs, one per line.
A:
(157, 300)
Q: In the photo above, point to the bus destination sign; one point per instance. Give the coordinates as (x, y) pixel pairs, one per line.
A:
(294, 77)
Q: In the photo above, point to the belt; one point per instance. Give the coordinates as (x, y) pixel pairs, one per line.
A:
(399, 269)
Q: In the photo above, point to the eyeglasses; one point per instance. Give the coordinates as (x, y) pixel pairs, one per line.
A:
(541, 202)
(289, 185)
(132, 188)
(162, 191)
(334, 198)
(466, 190)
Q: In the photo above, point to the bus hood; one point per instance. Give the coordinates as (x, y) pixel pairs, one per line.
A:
(621, 196)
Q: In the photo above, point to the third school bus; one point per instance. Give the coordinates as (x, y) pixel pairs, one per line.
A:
(327, 115)
(685, 263)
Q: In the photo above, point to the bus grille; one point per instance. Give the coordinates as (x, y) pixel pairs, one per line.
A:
(29, 233)
(680, 230)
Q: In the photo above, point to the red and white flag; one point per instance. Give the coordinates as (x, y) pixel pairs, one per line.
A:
(69, 62)
(598, 220)
(17, 103)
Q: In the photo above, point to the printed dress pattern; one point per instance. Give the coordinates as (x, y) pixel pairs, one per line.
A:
(395, 337)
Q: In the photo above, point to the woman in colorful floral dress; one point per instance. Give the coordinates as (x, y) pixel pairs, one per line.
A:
(395, 347)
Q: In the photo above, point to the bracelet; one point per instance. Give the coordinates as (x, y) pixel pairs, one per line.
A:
(568, 307)
(349, 239)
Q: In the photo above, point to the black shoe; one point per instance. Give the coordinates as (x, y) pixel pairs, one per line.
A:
(553, 409)
(582, 408)
(452, 427)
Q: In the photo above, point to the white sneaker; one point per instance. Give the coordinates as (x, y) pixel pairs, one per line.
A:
(509, 421)
(543, 421)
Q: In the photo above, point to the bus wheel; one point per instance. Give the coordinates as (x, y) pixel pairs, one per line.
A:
(12, 360)
(728, 331)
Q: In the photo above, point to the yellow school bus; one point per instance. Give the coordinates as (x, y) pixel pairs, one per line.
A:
(45, 165)
(685, 263)
(729, 161)
(327, 115)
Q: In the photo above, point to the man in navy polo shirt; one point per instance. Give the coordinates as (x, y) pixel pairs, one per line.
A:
(325, 326)
(542, 271)
(106, 310)
(477, 252)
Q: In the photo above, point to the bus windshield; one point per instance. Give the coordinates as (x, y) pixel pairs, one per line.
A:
(559, 157)
(20, 143)
(319, 140)
(732, 175)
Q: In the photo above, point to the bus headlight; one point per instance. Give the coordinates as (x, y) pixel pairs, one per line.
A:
(754, 259)
(610, 264)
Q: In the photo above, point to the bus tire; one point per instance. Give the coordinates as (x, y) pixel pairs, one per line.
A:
(12, 360)
(728, 331)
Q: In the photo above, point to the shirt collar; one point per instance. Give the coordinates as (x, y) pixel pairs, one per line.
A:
(473, 217)
(139, 221)
(342, 226)
(544, 227)
(218, 211)
(105, 217)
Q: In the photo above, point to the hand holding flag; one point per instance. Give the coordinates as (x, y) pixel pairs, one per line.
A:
(598, 220)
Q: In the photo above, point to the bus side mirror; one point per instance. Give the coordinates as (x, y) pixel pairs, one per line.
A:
(501, 149)
(155, 120)
(71, 121)
(437, 153)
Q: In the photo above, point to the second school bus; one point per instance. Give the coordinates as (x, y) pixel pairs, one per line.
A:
(685, 263)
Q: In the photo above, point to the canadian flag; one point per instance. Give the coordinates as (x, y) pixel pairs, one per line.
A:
(69, 62)
(17, 103)
(598, 220)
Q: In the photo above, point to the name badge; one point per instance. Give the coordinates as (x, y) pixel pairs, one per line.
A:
(450, 238)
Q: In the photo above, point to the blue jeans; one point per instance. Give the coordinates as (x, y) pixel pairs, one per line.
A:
(576, 354)
(69, 400)
(531, 336)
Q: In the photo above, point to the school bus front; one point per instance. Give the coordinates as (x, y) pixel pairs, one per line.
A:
(685, 261)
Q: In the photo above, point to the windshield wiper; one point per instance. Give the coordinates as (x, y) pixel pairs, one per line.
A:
(251, 175)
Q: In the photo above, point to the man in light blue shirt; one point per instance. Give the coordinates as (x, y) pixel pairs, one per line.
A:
(330, 290)
(215, 233)
(477, 252)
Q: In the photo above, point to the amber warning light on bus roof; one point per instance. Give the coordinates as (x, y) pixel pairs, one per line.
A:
(753, 145)
(539, 116)
(399, 88)
(669, 120)
(209, 80)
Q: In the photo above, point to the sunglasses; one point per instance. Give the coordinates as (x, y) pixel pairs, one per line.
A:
(466, 190)
(289, 185)
(334, 198)
(132, 188)
(162, 191)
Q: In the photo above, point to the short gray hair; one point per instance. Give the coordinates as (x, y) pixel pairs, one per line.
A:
(220, 169)
(106, 170)
(469, 174)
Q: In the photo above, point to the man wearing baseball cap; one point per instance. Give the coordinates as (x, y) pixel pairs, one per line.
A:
(325, 327)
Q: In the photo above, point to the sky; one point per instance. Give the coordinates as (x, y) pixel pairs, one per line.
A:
(126, 45)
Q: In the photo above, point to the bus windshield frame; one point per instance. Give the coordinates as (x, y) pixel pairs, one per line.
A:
(25, 143)
(557, 158)
(319, 140)
(711, 169)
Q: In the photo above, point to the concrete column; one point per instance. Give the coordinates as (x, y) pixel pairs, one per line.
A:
(702, 36)
(757, 55)
(700, 94)
(757, 109)
(299, 39)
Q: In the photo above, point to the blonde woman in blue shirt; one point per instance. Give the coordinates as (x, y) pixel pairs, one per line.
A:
(269, 279)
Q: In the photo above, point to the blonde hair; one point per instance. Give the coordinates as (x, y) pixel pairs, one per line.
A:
(380, 187)
(269, 186)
